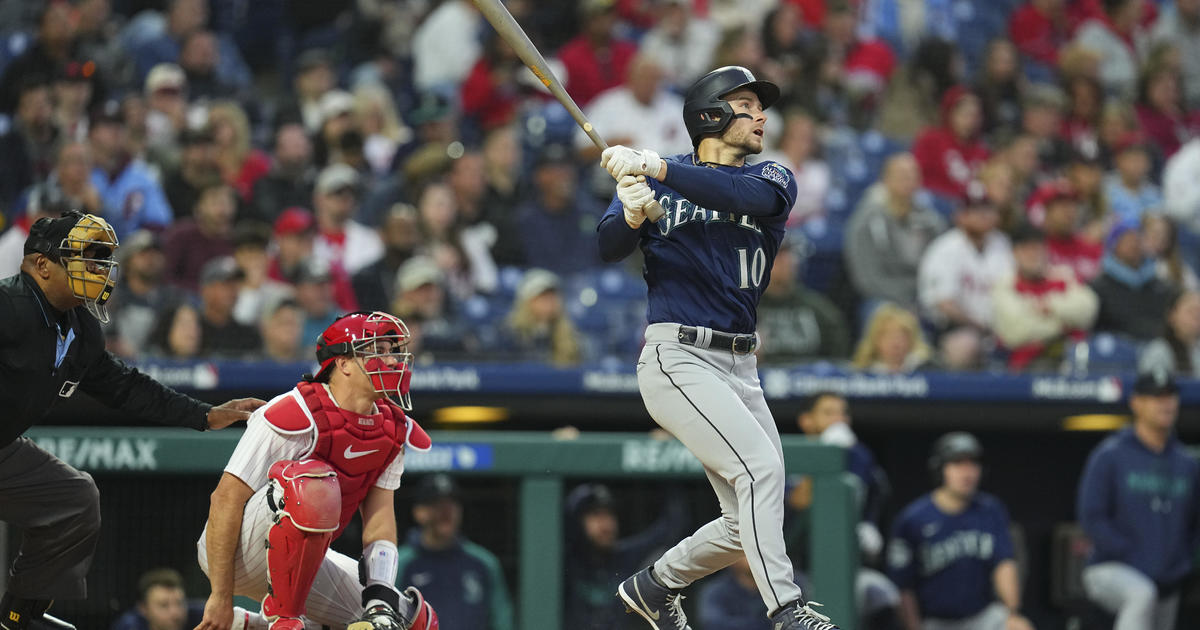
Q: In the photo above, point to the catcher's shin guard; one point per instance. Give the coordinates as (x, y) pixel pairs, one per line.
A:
(307, 501)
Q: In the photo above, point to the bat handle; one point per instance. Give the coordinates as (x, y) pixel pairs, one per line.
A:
(654, 212)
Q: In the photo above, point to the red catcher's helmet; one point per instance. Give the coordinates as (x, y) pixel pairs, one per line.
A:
(379, 339)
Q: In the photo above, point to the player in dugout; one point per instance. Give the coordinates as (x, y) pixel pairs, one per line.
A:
(309, 460)
(51, 347)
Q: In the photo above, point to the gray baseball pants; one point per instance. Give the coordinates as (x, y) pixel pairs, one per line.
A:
(711, 401)
(58, 507)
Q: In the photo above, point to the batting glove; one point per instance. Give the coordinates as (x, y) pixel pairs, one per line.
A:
(620, 161)
(634, 194)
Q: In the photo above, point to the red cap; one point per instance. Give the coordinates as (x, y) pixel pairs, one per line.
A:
(1130, 140)
(1052, 191)
(294, 220)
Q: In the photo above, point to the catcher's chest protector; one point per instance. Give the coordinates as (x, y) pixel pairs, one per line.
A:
(359, 448)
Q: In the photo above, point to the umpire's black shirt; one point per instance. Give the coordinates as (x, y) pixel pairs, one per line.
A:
(32, 337)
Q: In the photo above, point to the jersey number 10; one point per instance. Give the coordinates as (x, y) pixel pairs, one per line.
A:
(751, 267)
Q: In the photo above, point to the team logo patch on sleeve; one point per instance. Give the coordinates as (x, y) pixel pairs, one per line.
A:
(777, 174)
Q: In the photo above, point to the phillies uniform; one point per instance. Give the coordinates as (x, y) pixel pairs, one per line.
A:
(365, 450)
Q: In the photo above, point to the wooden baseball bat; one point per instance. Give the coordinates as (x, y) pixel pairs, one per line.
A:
(508, 29)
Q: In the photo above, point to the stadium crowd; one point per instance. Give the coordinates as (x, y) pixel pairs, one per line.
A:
(995, 184)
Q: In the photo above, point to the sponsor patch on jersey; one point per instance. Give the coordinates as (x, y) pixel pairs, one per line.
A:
(777, 174)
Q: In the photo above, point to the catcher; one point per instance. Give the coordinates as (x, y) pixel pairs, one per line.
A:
(307, 462)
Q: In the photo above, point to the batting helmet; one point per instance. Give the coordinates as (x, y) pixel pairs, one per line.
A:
(954, 446)
(704, 111)
(380, 340)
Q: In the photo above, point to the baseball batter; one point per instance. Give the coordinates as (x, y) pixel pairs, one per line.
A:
(707, 262)
(309, 459)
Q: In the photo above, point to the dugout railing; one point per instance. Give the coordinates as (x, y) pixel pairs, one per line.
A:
(541, 464)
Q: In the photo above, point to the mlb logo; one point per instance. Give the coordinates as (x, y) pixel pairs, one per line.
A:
(68, 388)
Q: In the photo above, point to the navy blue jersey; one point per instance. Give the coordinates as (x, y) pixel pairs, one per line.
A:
(708, 260)
(948, 560)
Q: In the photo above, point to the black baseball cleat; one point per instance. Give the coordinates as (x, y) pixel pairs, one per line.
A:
(799, 615)
(660, 606)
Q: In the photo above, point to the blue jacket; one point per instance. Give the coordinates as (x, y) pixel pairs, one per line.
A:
(133, 199)
(727, 605)
(464, 584)
(1140, 508)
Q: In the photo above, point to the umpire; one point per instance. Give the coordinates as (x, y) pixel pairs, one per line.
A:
(50, 347)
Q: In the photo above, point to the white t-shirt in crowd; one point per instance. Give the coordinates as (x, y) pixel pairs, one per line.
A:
(954, 269)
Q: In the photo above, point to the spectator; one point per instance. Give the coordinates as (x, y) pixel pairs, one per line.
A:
(960, 267)
(597, 558)
(295, 234)
(401, 235)
(1179, 26)
(1133, 301)
(1042, 111)
(888, 233)
(258, 289)
(281, 326)
(503, 166)
(241, 165)
(315, 294)
(198, 170)
(162, 604)
(596, 59)
(799, 150)
(290, 180)
(337, 123)
(682, 41)
(27, 148)
(314, 77)
(138, 308)
(1161, 244)
(72, 90)
(194, 241)
(795, 323)
(421, 297)
(1086, 176)
(1161, 112)
(558, 222)
(1081, 122)
(934, 68)
(951, 153)
(1001, 89)
(54, 46)
(846, 70)
(493, 92)
(640, 113)
(382, 130)
(1178, 350)
(729, 600)
(12, 240)
(905, 26)
(342, 242)
(69, 184)
(220, 334)
(1118, 124)
(186, 18)
(178, 333)
(166, 91)
(445, 46)
(1055, 205)
(1138, 504)
(951, 553)
(1020, 154)
(1129, 189)
(1039, 29)
(476, 234)
(1116, 36)
(999, 186)
(892, 344)
(537, 327)
(460, 579)
(200, 55)
(129, 192)
(1040, 308)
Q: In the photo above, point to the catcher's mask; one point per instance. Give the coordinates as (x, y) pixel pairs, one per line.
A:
(85, 245)
(380, 340)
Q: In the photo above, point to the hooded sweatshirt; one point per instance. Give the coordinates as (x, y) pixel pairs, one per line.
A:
(1140, 508)
(948, 162)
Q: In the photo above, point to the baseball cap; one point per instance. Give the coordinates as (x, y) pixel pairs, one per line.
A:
(334, 103)
(312, 58)
(554, 154)
(1119, 229)
(1130, 140)
(335, 177)
(431, 107)
(252, 234)
(536, 282)
(137, 243)
(433, 488)
(1027, 233)
(1156, 382)
(194, 136)
(294, 220)
(165, 76)
(222, 269)
(107, 112)
(416, 272)
(590, 497)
